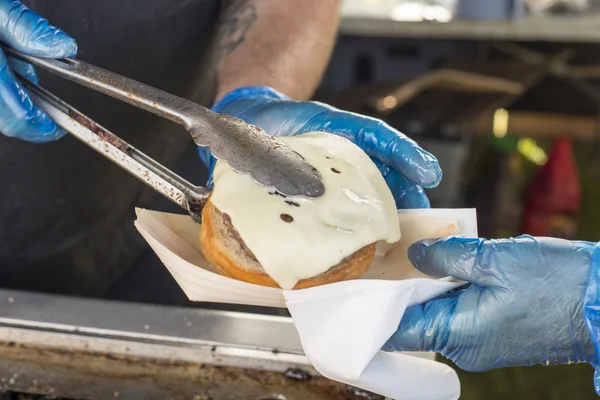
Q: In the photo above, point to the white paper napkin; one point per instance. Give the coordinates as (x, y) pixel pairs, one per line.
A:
(343, 326)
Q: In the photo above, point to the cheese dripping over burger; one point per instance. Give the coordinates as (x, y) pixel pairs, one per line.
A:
(298, 238)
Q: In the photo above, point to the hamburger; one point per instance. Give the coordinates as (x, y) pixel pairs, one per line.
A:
(257, 235)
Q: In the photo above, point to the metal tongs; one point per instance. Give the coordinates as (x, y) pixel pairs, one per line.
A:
(247, 149)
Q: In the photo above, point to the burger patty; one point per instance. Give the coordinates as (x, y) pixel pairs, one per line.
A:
(236, 235)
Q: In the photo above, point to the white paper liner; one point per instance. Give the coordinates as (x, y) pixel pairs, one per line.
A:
(342, 326)
(174, 238)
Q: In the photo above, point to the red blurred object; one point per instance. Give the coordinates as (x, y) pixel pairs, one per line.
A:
(554, 196)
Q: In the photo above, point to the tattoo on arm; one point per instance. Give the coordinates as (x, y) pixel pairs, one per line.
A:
(237, 19)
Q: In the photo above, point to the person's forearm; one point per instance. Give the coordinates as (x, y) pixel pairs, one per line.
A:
(284, 44)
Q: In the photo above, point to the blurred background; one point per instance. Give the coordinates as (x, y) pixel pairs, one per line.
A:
(506, 94)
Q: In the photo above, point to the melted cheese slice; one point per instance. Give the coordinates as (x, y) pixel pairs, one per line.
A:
(297, 238)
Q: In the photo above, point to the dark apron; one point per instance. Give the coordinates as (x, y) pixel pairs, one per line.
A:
(66, 212)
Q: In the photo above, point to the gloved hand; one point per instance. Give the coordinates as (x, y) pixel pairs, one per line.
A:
(28, 33)
(405, 166)
(527, 303)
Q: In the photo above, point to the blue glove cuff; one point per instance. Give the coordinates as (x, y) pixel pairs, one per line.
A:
(248, 92)
(591, 310)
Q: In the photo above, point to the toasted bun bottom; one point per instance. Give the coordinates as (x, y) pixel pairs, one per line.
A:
(223, 247)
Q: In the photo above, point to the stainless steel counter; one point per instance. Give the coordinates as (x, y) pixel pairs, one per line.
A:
(80, 348)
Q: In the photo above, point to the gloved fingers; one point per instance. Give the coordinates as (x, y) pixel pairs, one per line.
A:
(407, 194)
(19, 117)
(29, 33)
(23, 69)
(383, 142)
(404, 155)
(425, 327)
(46, 137)
(451, 256)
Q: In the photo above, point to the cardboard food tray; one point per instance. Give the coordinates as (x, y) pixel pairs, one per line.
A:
(174, 238)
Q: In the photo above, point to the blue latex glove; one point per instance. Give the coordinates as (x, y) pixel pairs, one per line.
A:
(27, 32)
(405, 166)
(531, 301)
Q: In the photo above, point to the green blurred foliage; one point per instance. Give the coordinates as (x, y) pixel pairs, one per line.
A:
(531, 383)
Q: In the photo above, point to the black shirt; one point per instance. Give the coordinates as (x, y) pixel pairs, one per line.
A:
(66, 212)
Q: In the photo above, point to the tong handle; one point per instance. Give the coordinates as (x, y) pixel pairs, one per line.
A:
(157, 176)
(246, 148)
(146, 97)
